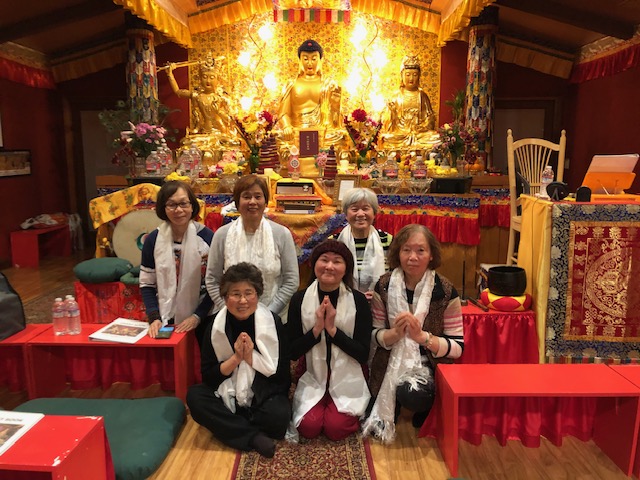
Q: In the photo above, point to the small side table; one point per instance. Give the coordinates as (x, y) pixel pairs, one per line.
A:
(60, 447)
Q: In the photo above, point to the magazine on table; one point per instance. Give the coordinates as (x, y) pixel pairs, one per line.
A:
(13, 425)
(121, 330)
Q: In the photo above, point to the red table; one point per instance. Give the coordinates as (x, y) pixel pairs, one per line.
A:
(631, 373)
(88, 364)
(13, 371)
(499, 337)
(615, 420)
(26, 245)
(60, 447)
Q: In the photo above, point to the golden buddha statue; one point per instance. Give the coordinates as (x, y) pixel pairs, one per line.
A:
(311, 101)
(210, 108)
(410, 120)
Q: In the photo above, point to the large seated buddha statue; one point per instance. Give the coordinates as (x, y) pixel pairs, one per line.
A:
(410, 120)
(214, 128)
(311, 101)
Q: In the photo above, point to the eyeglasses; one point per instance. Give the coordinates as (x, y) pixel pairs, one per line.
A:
(248, 296)
(174, 206)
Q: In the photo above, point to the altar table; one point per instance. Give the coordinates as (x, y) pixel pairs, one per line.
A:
(540, 394)
(13, 352)
(88, 364)
(60, 447)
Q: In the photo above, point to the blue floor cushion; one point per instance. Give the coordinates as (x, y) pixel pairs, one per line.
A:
(140, 432)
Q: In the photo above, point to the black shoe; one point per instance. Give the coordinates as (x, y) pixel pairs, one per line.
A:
(419, 418)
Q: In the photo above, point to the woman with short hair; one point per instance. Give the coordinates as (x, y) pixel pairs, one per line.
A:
(417, 324)
(173, 260)
(243, 399)
(367, 245)
(257, 240)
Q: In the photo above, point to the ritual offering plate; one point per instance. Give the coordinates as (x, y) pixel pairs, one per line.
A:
(507, 280)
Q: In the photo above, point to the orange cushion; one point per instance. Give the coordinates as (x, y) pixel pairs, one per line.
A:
(505, 304)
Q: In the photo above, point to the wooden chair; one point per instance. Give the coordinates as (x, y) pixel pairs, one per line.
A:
(528, 157)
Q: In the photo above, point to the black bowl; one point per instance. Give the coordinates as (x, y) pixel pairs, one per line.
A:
(507, 281)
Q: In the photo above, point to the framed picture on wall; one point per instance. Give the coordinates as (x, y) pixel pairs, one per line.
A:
(15, 162)
(343, 184)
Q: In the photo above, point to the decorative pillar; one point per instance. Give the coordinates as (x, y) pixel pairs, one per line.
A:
(142, 77)
(481, 76)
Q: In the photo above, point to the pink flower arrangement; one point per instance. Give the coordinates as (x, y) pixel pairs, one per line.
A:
(139, 141)
(363, 131)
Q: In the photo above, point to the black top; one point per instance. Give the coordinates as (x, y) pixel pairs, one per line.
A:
(356, 347)
(263, 387)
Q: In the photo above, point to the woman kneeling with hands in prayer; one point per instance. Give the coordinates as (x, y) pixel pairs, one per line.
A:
(417, 320)
(245, 368)
(330, 324)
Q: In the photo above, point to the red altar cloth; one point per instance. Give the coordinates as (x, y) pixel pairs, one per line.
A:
(464, 231)
(499, 337)
(104, 302)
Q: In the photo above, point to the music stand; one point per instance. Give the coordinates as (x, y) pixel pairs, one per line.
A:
(611, 174)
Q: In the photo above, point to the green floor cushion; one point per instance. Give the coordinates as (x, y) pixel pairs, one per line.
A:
(102, 270)
(140, 432)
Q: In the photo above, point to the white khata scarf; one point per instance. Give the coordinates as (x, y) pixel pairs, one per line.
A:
(372, 261)
(261, 252)
(404, 361)
(347, 385)
(265, 357)
(177, 300)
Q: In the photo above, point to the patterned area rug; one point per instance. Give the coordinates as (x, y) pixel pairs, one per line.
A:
(320, 458)
(38, 310)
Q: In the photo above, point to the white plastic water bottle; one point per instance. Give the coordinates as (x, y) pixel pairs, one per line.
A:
(59, 317)
(153, 163)
(545, 179)
(185, 162)
(196, 155)
(73, 315)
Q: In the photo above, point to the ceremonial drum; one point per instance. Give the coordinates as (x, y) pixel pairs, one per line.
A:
(130, 232)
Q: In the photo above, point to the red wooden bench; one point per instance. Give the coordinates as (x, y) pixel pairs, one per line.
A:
(27, 246)
(616, 422)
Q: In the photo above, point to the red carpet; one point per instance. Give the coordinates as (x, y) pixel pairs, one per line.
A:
(349, 459)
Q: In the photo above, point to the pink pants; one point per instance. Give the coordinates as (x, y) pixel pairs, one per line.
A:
(325, 415)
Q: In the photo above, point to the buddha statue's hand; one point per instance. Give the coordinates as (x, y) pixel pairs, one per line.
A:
(172, 67)
(287, 133)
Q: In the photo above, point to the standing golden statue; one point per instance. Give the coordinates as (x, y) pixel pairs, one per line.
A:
(311, 101)
(410, 120)
(210, 107)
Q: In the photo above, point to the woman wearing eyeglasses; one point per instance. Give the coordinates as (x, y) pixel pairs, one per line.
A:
(330, 324)
(257, 240)
(245, 368)
(174, 257)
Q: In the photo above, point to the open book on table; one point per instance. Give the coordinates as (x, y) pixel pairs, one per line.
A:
(13, 425)
(121, 330)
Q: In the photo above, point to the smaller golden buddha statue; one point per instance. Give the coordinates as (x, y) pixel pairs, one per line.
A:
(210, 108)
(410, 120)
(311, 101)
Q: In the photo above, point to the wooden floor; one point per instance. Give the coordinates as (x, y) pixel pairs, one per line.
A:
(197, 455)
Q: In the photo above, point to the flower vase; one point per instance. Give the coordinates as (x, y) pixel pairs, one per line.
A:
(254, 160)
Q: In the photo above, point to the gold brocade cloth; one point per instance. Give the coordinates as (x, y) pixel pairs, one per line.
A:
(604, 299)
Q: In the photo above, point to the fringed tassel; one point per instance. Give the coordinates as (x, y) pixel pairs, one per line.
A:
(385, 431)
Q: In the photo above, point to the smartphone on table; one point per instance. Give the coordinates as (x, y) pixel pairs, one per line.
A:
(165, 332)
